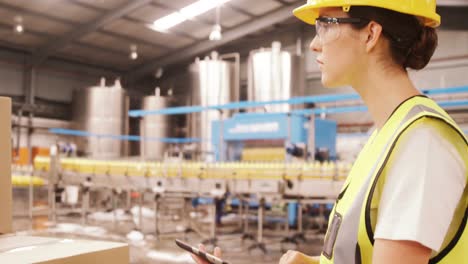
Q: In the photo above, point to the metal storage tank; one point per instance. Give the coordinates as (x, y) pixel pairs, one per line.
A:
(155, 127)
(274, 74)
(101, 110)
(214, 81)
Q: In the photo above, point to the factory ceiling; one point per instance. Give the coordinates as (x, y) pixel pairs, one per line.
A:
(103, 33)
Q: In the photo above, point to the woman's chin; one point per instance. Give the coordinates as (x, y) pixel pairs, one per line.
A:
(329, 83)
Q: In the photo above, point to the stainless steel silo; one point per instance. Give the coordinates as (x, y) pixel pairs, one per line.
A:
(154, 127)
(101, 110)
(274, 74)
(214, 81)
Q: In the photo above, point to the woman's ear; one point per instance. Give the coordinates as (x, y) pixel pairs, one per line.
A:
(373, 32)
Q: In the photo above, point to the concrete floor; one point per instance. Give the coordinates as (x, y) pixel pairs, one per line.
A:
(147, 249)
(163, 250)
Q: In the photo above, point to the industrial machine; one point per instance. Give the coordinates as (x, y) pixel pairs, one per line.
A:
(154, 128)
(199, 177)
(300, 136)
(275, 74)
(101, 110)
(267, 182)
(214, 81)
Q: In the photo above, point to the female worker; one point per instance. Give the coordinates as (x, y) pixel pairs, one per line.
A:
(405, 199)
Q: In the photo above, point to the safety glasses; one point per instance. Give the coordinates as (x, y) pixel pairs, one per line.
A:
(328, 28)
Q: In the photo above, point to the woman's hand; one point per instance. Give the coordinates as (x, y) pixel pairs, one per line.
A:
(198, 260)
(295, 257)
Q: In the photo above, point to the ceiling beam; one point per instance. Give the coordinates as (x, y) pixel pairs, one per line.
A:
(88, 6)
(133, 20)
(282, 2)
(112, 52)
(13, 47)
(239, 10)
(242, 30)
(69, 23)
(23, 11)
(81, 31)
(132, 39)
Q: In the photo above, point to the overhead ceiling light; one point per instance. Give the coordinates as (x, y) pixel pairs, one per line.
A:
(133, 52)
(168, 21)
(158, 73)
(200, 7)
(186, 13)
(216, 33)
(18, 28)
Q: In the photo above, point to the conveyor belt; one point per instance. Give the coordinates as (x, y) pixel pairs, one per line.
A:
(304, 179)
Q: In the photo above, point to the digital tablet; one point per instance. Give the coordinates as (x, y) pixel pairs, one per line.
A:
(203, 255)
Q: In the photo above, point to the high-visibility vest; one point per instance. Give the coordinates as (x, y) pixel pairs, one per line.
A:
(350, 235)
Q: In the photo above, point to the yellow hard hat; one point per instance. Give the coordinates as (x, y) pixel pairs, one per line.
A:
(425, 9)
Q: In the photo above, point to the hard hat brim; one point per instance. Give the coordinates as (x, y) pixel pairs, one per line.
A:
(310, 12)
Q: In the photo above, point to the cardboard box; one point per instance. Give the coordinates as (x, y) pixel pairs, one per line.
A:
(5, 166)
(46, 250)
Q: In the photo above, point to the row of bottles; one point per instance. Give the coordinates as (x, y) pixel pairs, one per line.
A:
(239, 170)
(23, 181)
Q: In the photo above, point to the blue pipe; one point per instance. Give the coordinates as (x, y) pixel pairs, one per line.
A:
(292, 101)
(80, 133)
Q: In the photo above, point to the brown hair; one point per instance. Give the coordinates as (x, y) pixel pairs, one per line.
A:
(411, 43)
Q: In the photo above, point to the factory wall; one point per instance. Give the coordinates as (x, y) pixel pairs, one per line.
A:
(58, 86)
(54, 83)
(449, 65)
(50, 85)
(12, 79)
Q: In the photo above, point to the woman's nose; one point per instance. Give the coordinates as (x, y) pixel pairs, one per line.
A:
(315, 45)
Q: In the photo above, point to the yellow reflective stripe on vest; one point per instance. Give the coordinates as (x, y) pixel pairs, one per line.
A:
(350, 209)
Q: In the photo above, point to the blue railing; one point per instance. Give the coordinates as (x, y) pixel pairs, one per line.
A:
(80, 133)
(250, 104)
(292, 101)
